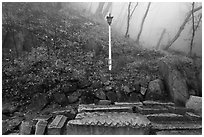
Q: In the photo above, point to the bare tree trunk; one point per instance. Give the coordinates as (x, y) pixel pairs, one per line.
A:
(128, 20)
(181, 28)
(193, 27)
(161, 37)
(90, 8)
(107, 9)
(100, 9)
(142, 24)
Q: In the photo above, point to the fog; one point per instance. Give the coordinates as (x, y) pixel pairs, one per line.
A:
(161, 15)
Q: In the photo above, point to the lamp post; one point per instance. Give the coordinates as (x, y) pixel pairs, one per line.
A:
(109, 20)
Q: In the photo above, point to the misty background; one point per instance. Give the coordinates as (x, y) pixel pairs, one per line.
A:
(161, 15)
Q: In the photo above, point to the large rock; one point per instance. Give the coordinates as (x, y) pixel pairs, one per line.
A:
(100, 94)
(39, 101)
(195, 103)
(69, 88)
(155, 90)
(173, 71)
(74, 97)
(135, 97)
(60, 98)
(112, 96)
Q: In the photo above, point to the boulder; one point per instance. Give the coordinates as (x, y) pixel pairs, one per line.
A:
(112, 96)
(83, 83)
(60, 98)
(155, 90)
(122, 97)
(137, 87)
(173, 71)
(195, 103)
(126, 89)
(39, 101)
(74, 97)
(100, 94)
(69, 88)
(87, 98)
(135, 97)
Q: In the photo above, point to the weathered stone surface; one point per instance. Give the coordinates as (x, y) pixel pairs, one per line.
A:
(195, 103)
(112, 96)
(155, 90)
(26, 128)
(74, 97)
(117, 123)
(150, 102)
(178, 110)
(174, 78)
(9, 125)
(149, 110)
(166, 117)
(55, 128)
(104, 102)
(100, 94)
(177, 125)
(69, 113)
(180, 132)
(60, 98)
(39, 101)
(103, 108)
(143, 90)
(40, 127)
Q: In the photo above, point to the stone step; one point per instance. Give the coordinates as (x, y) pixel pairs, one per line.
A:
(104, 108)
(177, 125)
(26, 128)
(166, 117)
(112, 123)
(180, 132)
(55, 128)
(149, 110)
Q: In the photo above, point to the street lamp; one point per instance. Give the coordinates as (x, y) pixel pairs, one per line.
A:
(109, 20)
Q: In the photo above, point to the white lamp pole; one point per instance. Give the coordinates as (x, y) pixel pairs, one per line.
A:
(109, 20)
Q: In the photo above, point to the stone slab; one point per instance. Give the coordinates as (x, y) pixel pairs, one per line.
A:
(104, 108)
(120, 122)
(41, 127)
(25, 128)
(149, 110)
(166, 117)
(180, 132)
(177, 125)
(195, 103)
(150, 102)
(57, 124)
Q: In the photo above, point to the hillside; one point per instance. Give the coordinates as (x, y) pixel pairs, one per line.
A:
(63, 63)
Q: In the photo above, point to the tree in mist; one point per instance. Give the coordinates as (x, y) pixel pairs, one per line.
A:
(107, 8)
(142, 24)
(99, 10)
(160, 38)
(189, 14)
(129, 16)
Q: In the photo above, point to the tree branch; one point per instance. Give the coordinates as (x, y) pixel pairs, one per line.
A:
(182, 27)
